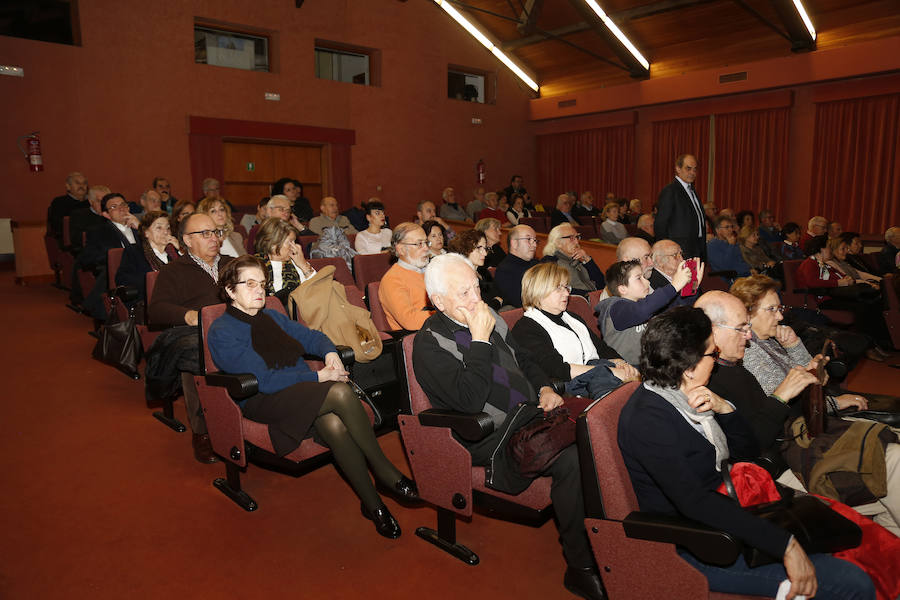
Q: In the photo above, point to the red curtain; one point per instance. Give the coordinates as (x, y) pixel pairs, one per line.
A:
(856, 163)
(752, 160)
(596, 160)
(672, 138)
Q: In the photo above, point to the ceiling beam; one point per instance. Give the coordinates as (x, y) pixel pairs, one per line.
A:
(635, 68)
(546, 35)
(799, 35)
(530, 13)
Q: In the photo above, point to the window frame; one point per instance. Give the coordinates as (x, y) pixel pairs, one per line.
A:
(490, 83)
(373, 54)
(223, 27)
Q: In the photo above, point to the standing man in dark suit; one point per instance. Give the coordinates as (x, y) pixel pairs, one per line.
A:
(680, 216)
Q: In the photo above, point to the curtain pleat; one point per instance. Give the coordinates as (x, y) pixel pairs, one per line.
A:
(596, 160)
(856, 163)
(673, 138)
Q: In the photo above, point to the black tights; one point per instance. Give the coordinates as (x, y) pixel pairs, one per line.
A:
(344, 426)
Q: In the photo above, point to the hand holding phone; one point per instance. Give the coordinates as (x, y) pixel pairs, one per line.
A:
(691, 288)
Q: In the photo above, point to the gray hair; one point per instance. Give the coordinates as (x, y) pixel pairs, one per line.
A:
(208, 183)
(400, 232)
(435, 272)
(553, 237)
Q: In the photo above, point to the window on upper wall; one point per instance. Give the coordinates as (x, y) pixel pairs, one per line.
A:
(53, 21)
(470, 85)
(233, 49)
(350, 64)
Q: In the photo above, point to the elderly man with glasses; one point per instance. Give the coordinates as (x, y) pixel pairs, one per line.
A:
(402, 290)
(564, 247)
(522, 244)
(183, 287)
(666, 255)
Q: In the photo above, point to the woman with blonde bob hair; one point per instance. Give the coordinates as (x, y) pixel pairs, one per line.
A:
(219, 211)
(566, 347)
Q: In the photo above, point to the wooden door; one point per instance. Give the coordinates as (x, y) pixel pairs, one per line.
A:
(250, 168)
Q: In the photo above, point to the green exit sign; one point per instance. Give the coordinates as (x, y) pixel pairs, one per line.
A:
(251, 166)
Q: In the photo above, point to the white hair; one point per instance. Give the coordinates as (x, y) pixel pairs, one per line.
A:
(436, 272)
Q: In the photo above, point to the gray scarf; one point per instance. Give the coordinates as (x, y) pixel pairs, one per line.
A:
(707, 420)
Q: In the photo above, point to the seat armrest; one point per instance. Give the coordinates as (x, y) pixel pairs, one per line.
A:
(470, 427)
(238, 385)
(709, 545)
(125, 293)
(348, 357)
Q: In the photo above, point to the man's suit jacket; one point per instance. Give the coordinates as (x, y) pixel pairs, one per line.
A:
(101, 239)
(676, 220)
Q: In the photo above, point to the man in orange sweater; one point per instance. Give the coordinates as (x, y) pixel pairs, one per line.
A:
(402, 290)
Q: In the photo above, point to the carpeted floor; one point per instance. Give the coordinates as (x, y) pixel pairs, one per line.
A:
(102, 501)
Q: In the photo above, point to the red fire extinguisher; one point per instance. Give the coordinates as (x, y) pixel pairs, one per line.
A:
(479, 172)
(32, 151)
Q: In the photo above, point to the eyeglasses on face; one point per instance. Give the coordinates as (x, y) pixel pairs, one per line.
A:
(577, 236)
(483, 248)
(714, 354)
(208, 233)
(251, 284)
(419, 244)
(567, 288)
(745, 328)
(780, 308)
(527, 240)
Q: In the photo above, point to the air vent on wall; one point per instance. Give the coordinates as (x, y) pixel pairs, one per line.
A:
(566, 103)
(732, 77)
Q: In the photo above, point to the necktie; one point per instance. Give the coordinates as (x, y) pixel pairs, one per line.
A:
(696, 203)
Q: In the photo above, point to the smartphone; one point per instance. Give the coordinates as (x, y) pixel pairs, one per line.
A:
(691, 288)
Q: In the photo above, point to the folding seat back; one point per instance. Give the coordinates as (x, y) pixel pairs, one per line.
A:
(579, 305)
(341, 273)
(233, 436)
(443, 470)
(713, 282)
(378, 315)
(540, 224)
(636, 553)
(512, 316)
(370, 267)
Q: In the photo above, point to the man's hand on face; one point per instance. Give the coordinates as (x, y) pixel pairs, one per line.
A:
(480, 321)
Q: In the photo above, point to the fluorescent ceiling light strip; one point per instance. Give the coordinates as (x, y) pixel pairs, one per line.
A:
(621, 36)
(487, 43)
(809, 26)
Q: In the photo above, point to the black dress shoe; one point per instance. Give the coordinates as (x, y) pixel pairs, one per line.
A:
(406, 488)
(203, 451)
(584, 583)
(385, 523)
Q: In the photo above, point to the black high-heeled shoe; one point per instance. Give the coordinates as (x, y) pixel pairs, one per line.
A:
(385, 523)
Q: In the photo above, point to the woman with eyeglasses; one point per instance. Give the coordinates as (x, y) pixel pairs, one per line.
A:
(492, 232)
(563, 344)
(295, 401)
(674, 433)
(220, 213)
(517, 209)
(473, 245)
(286, 267)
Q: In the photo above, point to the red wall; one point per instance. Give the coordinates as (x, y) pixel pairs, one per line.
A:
(117, 107)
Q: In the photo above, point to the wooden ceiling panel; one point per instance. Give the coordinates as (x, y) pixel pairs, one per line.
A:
(677, 36)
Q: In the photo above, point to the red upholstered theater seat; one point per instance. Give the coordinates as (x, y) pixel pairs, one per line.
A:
(443, 471)
(632, 566)
(233, 436)
(370, 267)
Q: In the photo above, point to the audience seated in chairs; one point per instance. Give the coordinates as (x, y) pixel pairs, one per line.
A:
(426, 211)
(769, 234)
(183, 287)
(181, 210)
(283, 259)
(666, 257)
(63, 206)
(156, 248)
(611, 230)
(776, 358)
(251, 220)
(457, 356)
(492, 208)
(889, 256)
(723, 252)
(473, 245)
(815, 227)
(522, 244)
(569, 351)
(674, 433)
(330, 216)
(840, 255)
(437, 238)
(376, 237)
(624, 315)
(232, 243)
(450, 209)
(790, 248)
(149, 201)
(293, 190)
(563, 211)
(278, 207)
(585, 206)
(492, 233)
(117, 232)
(752, 251)
(564, 247)
(516, 210)
(84, 220)
(402, 290)
(295, 401)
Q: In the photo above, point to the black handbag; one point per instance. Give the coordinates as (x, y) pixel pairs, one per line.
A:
(119, 344)
(535, 446)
